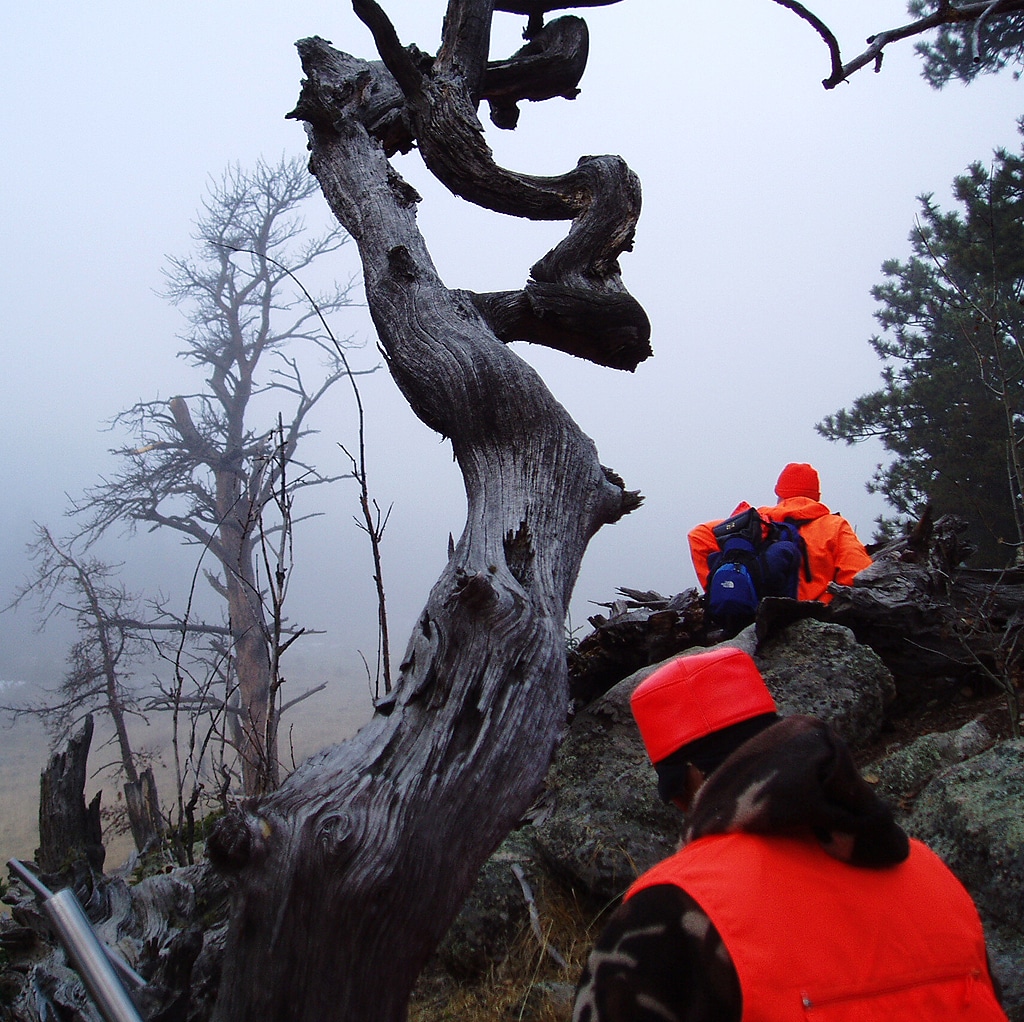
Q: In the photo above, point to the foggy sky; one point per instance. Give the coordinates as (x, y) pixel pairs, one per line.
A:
(769, 205)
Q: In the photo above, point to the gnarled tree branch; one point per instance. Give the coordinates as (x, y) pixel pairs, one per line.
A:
(351, 872)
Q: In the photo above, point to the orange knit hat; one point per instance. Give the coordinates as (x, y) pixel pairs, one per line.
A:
(798, 479)
(695, 696)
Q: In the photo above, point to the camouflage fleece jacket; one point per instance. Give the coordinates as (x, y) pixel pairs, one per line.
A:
(660, 959)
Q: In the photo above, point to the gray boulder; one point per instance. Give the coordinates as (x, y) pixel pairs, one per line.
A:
(603, 822)
(818, 668)
(972, 815)
(606, 824)
(1006, 959)
(902, 774)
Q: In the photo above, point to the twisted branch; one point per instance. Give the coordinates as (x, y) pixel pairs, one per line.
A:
(575, 300)
(978, 11)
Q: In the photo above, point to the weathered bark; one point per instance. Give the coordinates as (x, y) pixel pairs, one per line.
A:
(551, 64)
(143, 806)
(68, 829)
(348, 876)
(260, 770)
(574, 300)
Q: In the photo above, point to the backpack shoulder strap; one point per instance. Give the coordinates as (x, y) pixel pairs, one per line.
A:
(797, 524)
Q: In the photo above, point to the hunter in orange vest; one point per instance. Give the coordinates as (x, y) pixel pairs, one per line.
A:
(795, 895)
(834, 552)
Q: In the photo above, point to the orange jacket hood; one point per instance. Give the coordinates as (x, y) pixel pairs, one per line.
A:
(798, 509)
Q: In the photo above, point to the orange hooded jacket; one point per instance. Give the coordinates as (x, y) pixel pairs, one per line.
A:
(814, 939)
(834, 552)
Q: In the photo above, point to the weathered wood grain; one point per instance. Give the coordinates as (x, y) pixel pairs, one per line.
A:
(349, 875)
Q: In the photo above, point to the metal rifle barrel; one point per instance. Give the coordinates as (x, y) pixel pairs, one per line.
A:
(90, 958)
(29, 879)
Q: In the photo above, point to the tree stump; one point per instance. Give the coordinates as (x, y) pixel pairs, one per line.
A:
(68, 829)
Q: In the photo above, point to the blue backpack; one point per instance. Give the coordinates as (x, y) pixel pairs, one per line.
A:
(755, 558)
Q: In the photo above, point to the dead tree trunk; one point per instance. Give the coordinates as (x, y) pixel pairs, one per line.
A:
(348, 876)
(69, 829)
(143, 805)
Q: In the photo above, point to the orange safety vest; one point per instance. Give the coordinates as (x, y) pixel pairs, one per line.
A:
(813, 938)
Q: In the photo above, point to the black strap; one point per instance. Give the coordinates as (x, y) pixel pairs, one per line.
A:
(804, 556)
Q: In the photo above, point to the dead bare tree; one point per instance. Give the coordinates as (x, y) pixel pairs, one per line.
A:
(111, 641)
(198, 464)
(201, 694)
(349, 874)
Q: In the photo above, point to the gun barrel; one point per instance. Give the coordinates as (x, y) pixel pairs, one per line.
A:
(90, 958)
(29, 879)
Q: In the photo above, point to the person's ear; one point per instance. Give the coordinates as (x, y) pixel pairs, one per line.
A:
(692, 783)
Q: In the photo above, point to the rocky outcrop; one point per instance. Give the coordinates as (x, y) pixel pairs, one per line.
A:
(604, 822)
(972, 814)
(818, 668)
(600, 820)
(901, 775)
(600, 823)
(959, 792)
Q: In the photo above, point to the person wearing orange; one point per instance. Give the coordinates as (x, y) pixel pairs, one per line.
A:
(834, 553)
(795, 895)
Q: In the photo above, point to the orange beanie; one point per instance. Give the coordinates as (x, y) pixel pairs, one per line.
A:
(798, 479)
(694, 696)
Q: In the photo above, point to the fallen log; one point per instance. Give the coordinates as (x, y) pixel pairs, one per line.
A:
(642, 628)
(935, 623)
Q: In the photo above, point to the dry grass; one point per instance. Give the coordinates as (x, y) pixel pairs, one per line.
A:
(529, 985)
